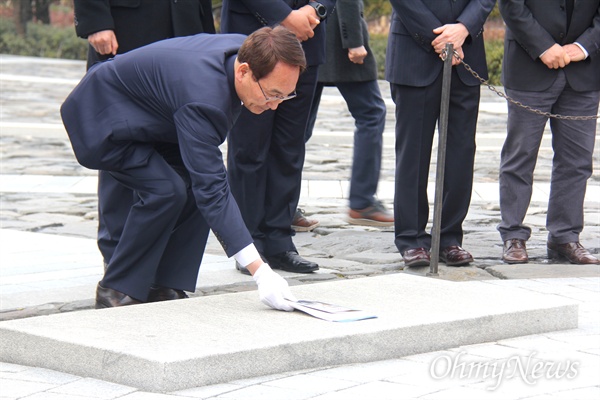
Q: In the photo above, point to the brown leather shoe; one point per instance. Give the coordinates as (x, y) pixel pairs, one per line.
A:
(374, 215)
(455, 256)
(418, 257)
(574, 252)
(515, 252)
(302, 224)
(159, 293)
(107, 297)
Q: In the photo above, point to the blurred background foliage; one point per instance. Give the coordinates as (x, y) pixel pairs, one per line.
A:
(44, 28)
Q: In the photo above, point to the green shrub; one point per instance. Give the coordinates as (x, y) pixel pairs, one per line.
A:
(494, 50)
(378, 44)
(42, 41)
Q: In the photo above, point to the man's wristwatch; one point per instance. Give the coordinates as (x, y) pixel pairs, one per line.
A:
(319, 8)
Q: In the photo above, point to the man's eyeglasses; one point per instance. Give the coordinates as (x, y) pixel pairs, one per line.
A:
(277, 97)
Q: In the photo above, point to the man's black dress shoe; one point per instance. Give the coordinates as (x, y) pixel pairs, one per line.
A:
(159, 293)
(292, 262)
(242, 269)
(107, 297)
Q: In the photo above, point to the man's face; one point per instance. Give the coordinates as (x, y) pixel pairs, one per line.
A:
(269, 91)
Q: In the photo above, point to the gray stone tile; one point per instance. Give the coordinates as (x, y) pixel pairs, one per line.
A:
(264, 392)
(19, 389)
(204, 392)
(93, 388)
(378, 390)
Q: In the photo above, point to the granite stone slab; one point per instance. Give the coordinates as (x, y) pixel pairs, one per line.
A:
(199, 341)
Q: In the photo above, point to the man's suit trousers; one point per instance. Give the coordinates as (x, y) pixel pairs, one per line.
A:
(164, 235)
(417, 112)
(573, 145)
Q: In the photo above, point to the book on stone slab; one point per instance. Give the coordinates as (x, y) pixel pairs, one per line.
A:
(330, 312)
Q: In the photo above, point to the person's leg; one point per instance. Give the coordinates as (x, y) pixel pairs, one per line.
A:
(284, 166)
(314, 111)
(416, 116)
(460, 157)
(518, 159)
(248, 145)
(368, 110)
(573, 145)
(162, 196)
(114, 203)
(179, 265)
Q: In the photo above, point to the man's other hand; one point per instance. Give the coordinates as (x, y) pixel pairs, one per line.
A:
(104, 42)
(555, 57)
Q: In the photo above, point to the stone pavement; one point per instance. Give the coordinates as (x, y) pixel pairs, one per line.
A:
(49, 263)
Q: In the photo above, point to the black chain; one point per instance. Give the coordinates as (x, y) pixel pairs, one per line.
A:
(518, 103)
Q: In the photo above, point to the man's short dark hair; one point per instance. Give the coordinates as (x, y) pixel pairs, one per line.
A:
(265, 47)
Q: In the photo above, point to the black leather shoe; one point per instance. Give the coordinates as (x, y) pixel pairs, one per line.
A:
(292, 262)
(107, 297)
(159, 293)
(243, 270)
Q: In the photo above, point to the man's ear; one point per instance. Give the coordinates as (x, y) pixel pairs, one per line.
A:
(244, 69)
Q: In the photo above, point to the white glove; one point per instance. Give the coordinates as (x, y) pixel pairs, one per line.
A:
(273, 289)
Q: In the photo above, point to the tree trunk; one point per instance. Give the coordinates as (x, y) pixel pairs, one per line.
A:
(42, 11)
(23, 14)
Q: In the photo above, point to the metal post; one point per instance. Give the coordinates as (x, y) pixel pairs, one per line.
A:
(441, 161)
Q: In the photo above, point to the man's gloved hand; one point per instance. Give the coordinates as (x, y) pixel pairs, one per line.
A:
(273, 289)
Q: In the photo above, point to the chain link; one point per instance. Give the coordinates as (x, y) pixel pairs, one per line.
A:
(516, 102)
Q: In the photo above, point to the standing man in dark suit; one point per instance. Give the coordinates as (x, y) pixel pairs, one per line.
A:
(116, 27)
(419, 32)
(186, 91)
(265, 152)
(351, 67)
(552, 63)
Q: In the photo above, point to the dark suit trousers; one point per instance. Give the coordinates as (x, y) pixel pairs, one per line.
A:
(368, 110)
(114, 203)
(573, 145)
(164, 235)
(417, 112)
(264, 166)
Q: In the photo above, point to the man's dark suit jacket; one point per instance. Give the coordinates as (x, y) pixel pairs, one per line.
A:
(533, 26)
(410, 58)
(347, 28)
(139, 22)
(246, 16)
(178, 90)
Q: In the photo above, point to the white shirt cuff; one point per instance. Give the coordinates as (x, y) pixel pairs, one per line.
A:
(582, 49)
(247, 255)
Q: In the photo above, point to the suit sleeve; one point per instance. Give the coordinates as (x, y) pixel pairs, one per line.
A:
(349, 20)
(418, 20)
(590, 38)
(268, 12)
(92, 16)
(197, 130)
(474, 16)
(526, 30)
